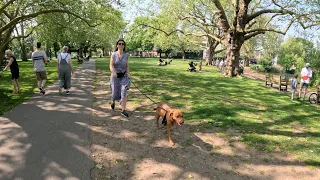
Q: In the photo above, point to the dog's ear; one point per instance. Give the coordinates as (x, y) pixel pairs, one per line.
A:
(170, 113)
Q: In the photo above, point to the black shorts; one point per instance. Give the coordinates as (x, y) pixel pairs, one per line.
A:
(15, 74)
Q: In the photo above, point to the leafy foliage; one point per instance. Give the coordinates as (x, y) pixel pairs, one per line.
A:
(295, 51)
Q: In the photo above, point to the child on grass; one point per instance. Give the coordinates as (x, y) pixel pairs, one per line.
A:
(294, 85)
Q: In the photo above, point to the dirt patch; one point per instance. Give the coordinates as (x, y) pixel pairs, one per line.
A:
(132, 148)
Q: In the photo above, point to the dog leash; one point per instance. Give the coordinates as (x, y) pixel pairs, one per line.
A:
(164, 120)
(144, 93)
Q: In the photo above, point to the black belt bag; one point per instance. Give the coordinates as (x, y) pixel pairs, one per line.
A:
(120, 75)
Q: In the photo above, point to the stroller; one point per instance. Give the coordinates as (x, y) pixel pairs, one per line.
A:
(192, 67)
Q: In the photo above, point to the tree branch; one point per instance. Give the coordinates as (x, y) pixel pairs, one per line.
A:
(248, 36)
(6, 5)
(219, 51)
(30, 16)
(266, 11)
(222, 16)
(199, 20)
(275, 15)
(254, 32)
(181, 31)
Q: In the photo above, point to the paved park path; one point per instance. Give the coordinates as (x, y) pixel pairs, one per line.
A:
(47, 137)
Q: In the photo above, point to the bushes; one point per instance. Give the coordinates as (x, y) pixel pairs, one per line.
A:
(266, 63)
(260, 68)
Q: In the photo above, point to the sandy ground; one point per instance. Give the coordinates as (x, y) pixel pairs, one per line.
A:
(133, 148)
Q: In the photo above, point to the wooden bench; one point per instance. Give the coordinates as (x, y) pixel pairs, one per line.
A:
(269, 79)
(282, 81)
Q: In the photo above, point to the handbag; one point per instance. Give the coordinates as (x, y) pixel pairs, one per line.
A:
(120, 75)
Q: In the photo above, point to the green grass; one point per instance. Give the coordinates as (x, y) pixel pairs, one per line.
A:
(265, 118)
(28, 84)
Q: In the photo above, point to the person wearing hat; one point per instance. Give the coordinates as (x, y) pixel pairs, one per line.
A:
(39, 58)
(64, 68)
(14, 68)
(306, 74)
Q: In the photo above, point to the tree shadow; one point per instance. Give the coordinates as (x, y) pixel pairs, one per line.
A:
(47, 137)
(134, 148)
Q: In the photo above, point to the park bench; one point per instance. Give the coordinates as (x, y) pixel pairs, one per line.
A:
(282, 81)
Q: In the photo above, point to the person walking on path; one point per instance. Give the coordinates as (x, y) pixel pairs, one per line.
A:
(306, 75)
(64, 68)
(39, 58)
(120, 76)
(14, 68)
(294, 85)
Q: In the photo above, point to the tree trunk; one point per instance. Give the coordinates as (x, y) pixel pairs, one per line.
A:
(233, 54)
(23, 45)
(211, 49)
(48, 50)
(23, 50)
(235, 40)
(103, 52)
(246, 62)
(2, 58)
(81, 51)
(4, 42)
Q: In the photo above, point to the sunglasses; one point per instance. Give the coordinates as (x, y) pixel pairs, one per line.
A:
(120, 43)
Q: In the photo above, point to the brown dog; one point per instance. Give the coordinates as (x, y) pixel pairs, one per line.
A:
(171, 116)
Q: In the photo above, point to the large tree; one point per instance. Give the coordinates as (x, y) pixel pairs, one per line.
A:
(240, 20)
(240, 27)
(13, 12)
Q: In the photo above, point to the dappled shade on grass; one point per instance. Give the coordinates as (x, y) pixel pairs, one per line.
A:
(28, 84)
(265, 118)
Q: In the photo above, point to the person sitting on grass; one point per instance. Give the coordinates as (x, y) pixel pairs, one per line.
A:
(294, 85)
(162, 62)
(14, 68)
(192, 67)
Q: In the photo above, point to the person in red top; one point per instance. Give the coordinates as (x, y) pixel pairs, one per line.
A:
(306, 75)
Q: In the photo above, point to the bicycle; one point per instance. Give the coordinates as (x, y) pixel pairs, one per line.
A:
(314, 97)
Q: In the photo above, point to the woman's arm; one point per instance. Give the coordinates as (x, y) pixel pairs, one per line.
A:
(9, 64)
(111, 67)
(128, 71)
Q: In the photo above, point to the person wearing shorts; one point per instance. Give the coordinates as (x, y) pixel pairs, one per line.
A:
(306, 75)
(39, 58)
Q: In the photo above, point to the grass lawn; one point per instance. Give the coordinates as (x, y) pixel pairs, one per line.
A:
(265, 118)
(28, 84)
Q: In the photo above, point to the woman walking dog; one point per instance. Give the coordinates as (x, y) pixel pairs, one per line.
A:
(120, 76)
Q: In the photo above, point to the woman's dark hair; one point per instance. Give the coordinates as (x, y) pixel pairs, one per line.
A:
(295, 76)
(124, 48)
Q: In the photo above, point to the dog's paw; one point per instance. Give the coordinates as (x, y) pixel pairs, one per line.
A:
(172, 143)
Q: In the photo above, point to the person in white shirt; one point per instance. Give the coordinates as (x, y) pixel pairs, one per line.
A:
(306, 75)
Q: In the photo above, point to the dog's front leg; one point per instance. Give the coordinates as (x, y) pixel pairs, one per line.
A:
(157, 120)
(169, 135)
